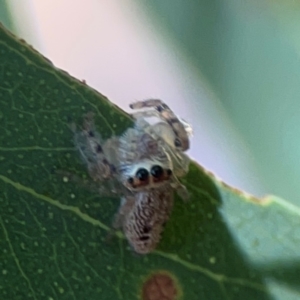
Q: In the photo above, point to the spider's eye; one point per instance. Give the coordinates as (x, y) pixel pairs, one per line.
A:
(159, 108)
(169, 172)
(142, 174)
(157, 171)
(177, 142)
(130, 180)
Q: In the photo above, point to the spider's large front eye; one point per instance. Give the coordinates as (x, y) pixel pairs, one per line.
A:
(177, 143)
(142, 174)
(157, 171)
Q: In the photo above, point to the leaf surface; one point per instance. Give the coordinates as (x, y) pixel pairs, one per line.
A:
(222, 244)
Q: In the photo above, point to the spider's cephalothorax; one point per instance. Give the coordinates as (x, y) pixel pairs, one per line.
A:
(171, 132)
(143, 216)
(142, 161)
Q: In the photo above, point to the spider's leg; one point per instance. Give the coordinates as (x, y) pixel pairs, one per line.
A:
(89, 143)
(145, 114)
(145, 103)
(181, 189)
(183, 193)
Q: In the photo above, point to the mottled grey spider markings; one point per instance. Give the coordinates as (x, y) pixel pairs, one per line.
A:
(143, 216)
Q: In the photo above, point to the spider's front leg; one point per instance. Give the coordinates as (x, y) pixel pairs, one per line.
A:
(161, 109)
(181, 190)
(150, 103)
(146, 103)
(89, 144)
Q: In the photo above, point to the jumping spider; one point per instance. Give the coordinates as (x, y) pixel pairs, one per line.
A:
(144, 163)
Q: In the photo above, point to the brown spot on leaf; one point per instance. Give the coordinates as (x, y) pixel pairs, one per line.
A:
(160, 286)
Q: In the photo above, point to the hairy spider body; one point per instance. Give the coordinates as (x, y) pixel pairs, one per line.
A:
(145, 161)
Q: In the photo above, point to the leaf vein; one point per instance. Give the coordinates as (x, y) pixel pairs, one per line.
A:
(16, 259)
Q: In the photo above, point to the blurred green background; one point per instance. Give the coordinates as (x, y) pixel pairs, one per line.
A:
(248, 54)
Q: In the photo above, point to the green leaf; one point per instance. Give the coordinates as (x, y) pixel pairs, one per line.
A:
(222, 244)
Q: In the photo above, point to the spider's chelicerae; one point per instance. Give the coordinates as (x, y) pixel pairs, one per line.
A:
(144, 163)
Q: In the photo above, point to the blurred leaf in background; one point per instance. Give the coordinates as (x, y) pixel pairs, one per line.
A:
(5, 15)
(249, 53)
